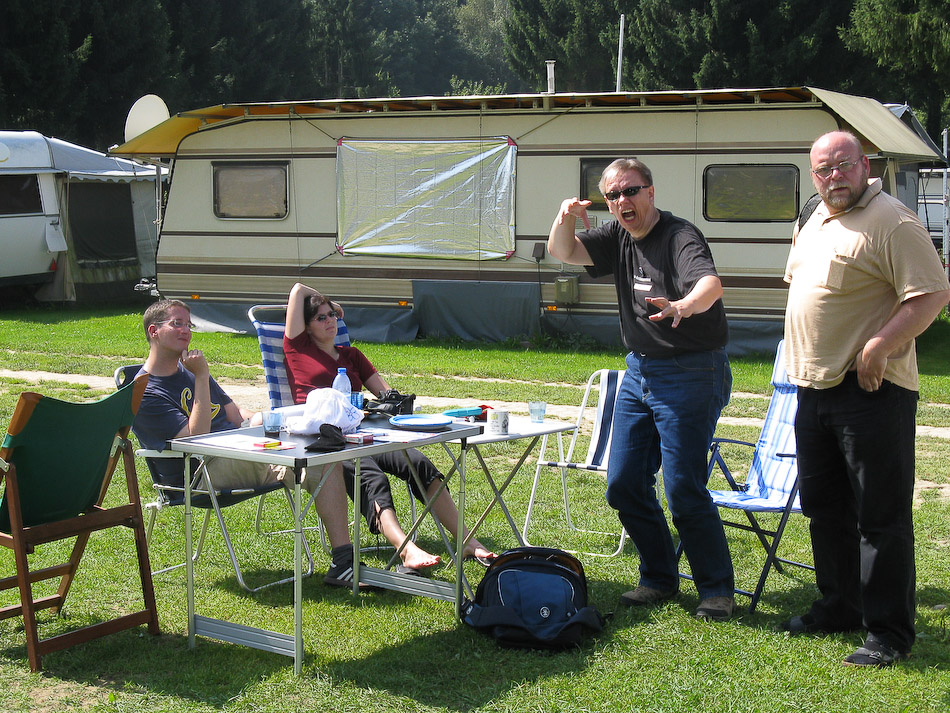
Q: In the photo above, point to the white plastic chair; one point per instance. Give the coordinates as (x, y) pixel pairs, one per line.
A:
(606, 382)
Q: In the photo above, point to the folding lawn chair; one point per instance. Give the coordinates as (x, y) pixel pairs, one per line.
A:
(772, 482)
(207, 498)
(269, 321)
(607, 383)
(57, 461)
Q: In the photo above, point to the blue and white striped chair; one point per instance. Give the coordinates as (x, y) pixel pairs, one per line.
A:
(606, 382)
(270, 338)
(772, 482)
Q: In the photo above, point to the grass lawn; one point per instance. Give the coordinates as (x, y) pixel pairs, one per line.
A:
(391, 652)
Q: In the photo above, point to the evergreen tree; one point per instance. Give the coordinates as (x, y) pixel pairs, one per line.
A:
(688, 44)
(567, 31)
(481, 30)
(38, 66)
(124, 52)
(911, 39)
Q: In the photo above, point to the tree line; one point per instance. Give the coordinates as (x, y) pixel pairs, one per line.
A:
(72, 69)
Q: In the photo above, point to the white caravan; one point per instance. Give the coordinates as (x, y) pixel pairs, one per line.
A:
(431, 213)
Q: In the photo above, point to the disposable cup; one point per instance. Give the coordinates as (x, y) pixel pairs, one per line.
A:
(536, 410)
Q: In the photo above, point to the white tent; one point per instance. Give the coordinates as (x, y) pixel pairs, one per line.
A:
(75, 224)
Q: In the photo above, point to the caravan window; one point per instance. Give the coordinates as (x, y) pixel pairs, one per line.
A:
(591, 171)
(20, 194)
(250, 190)
(760, 193)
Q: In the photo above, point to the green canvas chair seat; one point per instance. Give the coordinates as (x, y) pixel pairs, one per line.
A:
(56, 463)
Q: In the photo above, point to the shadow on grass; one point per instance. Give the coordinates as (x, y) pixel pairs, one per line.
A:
(212, 673)
(458, 670)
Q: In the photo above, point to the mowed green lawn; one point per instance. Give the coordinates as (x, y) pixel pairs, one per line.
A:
(392, 652)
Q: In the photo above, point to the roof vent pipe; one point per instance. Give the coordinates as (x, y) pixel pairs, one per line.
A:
(550, 66)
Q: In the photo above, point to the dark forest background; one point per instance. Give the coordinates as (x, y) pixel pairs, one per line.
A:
(73, 68)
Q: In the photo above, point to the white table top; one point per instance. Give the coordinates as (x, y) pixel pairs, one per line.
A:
(236, 444)
(522, 427)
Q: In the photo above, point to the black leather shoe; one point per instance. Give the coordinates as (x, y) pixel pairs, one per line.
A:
(875, 654)
(806, 624)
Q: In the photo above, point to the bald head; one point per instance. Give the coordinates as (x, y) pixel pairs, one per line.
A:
(839, 169)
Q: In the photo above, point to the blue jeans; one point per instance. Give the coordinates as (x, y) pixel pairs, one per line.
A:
(667, 409)
(856, 469)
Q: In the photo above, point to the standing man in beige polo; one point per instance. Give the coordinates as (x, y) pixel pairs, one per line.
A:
(864, 281)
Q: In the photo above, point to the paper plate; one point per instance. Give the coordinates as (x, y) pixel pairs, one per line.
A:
(421, 422)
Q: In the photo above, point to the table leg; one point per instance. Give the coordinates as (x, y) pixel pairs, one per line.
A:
(356, 526)
(298, 578)
(459, 539)
(189, 563)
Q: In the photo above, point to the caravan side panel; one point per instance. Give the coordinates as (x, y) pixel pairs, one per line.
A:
(243, 261)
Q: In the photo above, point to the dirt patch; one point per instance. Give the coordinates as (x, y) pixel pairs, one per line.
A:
(922, 487)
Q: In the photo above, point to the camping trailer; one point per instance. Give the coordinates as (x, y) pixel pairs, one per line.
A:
(75, 224)
(431, 214)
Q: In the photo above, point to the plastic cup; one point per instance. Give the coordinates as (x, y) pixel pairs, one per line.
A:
(536, 410)
(273, 420)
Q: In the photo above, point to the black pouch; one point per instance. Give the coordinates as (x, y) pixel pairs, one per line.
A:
(330, 439)
(391, 403)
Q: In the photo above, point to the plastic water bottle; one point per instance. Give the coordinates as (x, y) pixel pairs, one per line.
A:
(341, 382)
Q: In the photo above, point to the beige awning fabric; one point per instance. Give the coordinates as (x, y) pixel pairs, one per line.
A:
(878, 125)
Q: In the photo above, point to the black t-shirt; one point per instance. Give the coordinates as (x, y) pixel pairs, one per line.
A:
(667, 262)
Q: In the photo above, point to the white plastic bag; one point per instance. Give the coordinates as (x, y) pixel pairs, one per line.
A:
(326, 406)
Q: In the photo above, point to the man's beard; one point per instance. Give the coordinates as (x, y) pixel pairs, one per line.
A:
(839, 201)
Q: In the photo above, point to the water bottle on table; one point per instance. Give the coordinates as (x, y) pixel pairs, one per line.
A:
(341, 382)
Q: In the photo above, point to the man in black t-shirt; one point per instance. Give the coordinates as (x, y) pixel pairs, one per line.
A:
(676, 384)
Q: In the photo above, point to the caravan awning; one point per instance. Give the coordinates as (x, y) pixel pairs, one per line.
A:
(868, 117)
(876, 123)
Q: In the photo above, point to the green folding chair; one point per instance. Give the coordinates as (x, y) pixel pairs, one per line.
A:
(56, 462)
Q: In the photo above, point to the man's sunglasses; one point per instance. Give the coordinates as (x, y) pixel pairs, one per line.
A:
(628, 192)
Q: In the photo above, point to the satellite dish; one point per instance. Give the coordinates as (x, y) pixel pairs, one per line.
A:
(148, 111)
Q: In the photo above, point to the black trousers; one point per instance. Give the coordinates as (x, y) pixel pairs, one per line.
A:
(856, 465)
(375, 492)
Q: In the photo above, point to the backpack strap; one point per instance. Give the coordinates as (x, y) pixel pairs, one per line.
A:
(808, 209)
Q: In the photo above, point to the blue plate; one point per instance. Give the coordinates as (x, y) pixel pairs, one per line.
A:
(421, 422)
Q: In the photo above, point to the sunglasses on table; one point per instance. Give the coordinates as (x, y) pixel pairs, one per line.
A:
(628, 192)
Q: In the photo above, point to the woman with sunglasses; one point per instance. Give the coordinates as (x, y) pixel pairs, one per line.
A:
(312, 359)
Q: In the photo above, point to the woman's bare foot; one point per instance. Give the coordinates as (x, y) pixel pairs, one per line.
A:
(475, 549)
(415, 557)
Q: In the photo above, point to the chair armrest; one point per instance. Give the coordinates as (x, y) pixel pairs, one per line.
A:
(716, 457)
(716, 441)
(148, 453)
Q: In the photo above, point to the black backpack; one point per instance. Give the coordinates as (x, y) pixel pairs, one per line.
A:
(534, 598)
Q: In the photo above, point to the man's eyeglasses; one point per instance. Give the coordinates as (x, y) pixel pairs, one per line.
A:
(628, 192)
(843, 167)
(332, 314)
(178, 324)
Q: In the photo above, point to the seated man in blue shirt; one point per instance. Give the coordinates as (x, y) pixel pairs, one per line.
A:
(183, 400)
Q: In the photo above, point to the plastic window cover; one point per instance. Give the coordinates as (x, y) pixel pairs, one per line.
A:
(427, 198)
